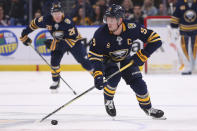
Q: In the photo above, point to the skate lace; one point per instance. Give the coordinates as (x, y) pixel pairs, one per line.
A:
(109, 103)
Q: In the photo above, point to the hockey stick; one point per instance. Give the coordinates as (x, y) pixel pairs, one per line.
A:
(52, 69)
(69, 102)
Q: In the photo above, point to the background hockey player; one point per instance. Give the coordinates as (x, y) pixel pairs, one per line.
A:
(185, 17)
(66, 38)
(111, 45)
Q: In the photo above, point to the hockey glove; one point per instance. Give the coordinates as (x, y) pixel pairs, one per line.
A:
(26, 40)
(98, 80)
(139, 58)
(48, 43)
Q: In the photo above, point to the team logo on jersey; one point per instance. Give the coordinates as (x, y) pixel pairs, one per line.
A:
(190, 16)
(40, 19)
(8, 43)
(131, 25)
(108, 45)
(49, 27)
(39, 42)
(67, 21)
(119, 54)
(182, 7)
(56, 26)
(119, 39)
(58, 35)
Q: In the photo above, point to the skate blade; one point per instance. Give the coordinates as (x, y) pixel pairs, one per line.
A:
(161, 118)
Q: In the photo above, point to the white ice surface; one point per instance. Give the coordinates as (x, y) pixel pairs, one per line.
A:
(25, 98)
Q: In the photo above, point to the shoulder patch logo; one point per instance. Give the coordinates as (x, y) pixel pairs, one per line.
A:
(40, 19)
(49, 27)
(131, 25)
(182, 7)
(108, 45)
(67, 21)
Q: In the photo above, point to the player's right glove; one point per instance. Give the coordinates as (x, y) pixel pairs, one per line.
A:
(26, 40)
(98, 80)
(139, 58)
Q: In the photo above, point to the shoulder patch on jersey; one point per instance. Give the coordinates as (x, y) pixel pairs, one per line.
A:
(40, 19)
(67, 21)
(49, 27)
(182, 7)
(131, 25)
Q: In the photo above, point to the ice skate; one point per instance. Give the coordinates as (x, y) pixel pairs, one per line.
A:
(110, 107)
(54, 87)
(155, 113)
(187, 71)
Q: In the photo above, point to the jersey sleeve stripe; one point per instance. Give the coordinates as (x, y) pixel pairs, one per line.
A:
(93, 58)
(155, 35)
(24, 38)
(141, 56)
(155, 40)
(68, 43)
(98, 55)
(71, 42)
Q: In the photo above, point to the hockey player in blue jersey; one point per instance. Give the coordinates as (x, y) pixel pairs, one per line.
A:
(111, 46)
(65, 38)
(185, 17)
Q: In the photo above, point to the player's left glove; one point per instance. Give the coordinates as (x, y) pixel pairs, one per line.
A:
(139, 58)
(26, 40)
(98, 80)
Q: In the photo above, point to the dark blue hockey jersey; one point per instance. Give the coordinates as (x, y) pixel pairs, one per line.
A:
(106, 46)
(65, 30)
(185, 17)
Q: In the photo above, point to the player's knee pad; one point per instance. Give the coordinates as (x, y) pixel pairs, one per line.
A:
(130, 76)
(55, 73)
(109, 70)
(114, 80)
(139, 86)
(109, 92)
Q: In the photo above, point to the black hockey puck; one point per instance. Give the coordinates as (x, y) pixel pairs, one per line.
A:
(54, 122)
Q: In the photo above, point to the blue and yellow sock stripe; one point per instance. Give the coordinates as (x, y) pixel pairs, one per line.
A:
(143, 99)
(55, 71)
(109, 91)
